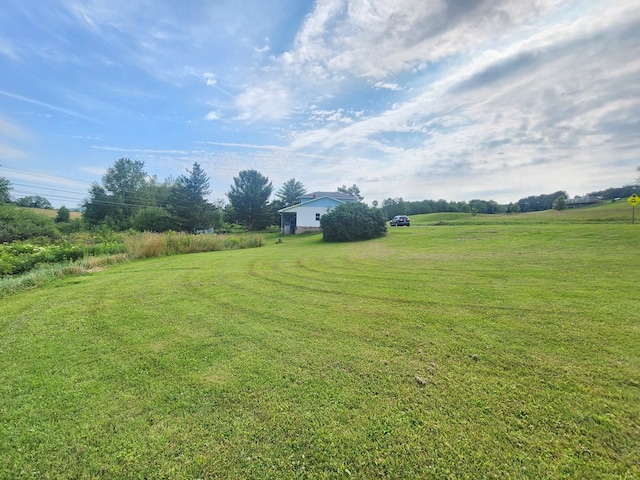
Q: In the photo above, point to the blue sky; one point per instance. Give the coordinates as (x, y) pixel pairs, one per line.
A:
(419, 99)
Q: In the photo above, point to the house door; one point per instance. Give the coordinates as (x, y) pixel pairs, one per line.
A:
(292, 225)
(289, 224)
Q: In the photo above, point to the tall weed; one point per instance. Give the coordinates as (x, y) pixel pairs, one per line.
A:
(150, 244)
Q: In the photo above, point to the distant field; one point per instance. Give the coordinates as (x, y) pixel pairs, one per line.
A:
(52, 212)
(616, 212)
(464, 350)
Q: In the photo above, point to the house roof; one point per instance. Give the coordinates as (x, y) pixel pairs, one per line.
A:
(336, 195)
(308, 200)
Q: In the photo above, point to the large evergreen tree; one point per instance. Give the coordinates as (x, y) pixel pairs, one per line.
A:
(290, 192)
(188, 202)
(249, 195)
(353, 190)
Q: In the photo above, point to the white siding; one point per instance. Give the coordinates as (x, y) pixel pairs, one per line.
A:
(307, 215)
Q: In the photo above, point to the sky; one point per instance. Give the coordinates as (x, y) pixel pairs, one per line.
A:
(414, 99)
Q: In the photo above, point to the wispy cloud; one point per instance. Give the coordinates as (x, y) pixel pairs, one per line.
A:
(12, 130)
(564, 92)
(46, 105)
(245, 145)
(7, 151)
(270, 101)
(342, 41)
(10, 134)
(8, 49)
(140, 150)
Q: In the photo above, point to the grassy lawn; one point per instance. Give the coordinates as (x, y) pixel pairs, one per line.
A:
(476, 349)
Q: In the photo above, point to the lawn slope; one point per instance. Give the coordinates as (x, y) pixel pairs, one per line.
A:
(610, 212)
(460, 351)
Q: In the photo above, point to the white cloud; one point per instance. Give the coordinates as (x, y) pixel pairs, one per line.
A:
(342, 41)
(378, 38)
(212, 116)
(536, 110)
(388, 85)
(264, 49)
(210, 79)
(266, 102)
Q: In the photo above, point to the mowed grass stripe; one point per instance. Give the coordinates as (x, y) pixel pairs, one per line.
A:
(493, 351)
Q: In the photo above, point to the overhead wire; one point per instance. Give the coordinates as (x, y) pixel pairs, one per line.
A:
(85, 197)
(40, 174)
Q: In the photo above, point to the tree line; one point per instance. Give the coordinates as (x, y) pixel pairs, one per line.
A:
(127, 197)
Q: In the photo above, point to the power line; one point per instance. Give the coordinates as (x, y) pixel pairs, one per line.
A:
(77, 196)
(31, 173)
(46, 188)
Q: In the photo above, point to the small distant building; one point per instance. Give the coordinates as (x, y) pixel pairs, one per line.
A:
(578, 202)
(305, 216)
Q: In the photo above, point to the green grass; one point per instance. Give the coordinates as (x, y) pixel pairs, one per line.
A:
(458, 351)
(26, 265)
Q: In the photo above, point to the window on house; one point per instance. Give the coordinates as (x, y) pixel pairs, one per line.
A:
(317, 217)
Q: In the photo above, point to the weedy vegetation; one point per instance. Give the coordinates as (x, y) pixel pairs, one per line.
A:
(502, 347)
(26, 264)
(148, 244)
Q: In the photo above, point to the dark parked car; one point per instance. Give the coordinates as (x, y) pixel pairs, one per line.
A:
(400, 221)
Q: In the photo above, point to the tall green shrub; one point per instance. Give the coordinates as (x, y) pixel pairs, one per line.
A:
(63, 215)
(352, 221)
(21, 224)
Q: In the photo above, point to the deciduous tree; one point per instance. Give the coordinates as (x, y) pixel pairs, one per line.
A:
(124, 191)
(560, 203)
(98, 206)
(5, 189)
(34, 201)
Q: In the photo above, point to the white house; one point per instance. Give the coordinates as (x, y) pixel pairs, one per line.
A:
(305, 216)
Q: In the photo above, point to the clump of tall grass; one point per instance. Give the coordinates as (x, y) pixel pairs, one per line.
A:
(149, 244)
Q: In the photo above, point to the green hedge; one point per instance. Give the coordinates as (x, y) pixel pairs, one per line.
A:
(352, 221)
